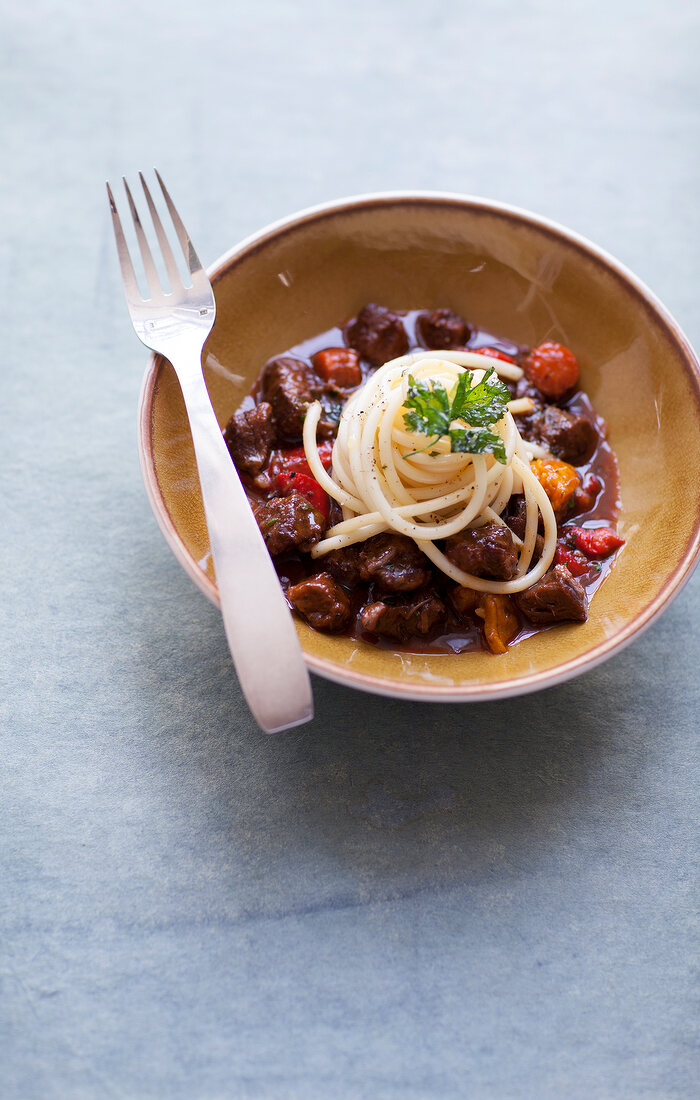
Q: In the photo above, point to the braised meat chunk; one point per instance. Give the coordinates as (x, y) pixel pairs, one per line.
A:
(568, 436)
(515, 515)
(378, 335)
(402, 620)
(289, 522)
(393, 562)
(556, 598)
(487, 551)
(249, 436)
(442, 329)
(288, 385)
(344, 565)
(322, 602)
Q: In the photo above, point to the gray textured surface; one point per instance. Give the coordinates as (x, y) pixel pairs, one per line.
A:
(493, 901)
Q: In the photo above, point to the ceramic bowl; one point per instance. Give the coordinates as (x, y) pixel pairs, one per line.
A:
(516, 275)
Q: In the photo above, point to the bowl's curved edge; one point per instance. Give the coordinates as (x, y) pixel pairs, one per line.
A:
(379, 685)
(153, 491)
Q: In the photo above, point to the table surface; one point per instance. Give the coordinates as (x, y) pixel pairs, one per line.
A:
(495, 900)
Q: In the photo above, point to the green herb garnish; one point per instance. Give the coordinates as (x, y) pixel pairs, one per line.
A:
(432, 412)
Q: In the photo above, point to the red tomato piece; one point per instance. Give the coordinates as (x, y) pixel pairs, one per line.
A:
(585, 497)
(592, 484)
(338, 365)
(553, 368)
(307, 487)
(596, 542)
(574, 560)
(494, 353)
(294, 460)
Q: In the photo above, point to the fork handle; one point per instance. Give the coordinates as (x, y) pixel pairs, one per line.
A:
(259, 626)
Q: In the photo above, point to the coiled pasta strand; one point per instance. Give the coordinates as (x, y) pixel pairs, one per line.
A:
(385, 482)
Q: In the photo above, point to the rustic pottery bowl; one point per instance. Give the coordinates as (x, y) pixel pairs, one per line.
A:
(516, 275)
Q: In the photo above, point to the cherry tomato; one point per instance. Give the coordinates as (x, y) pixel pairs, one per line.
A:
(338, 365)
(596, 542)
(552, 368)
(307, 487)
(494, 353)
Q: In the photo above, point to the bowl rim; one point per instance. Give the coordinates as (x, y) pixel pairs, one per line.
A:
(380, 685)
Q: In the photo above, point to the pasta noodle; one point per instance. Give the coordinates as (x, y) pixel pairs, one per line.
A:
(383, 484)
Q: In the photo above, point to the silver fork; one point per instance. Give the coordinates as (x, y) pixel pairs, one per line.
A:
(258, 624)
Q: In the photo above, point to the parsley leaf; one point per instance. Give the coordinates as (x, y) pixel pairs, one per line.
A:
(482, 404)
(432, 412)
(429, 408)
(478, 441)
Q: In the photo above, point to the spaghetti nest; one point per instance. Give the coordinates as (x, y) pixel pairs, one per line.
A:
(389, 478)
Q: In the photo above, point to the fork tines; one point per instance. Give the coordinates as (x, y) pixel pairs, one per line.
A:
(154, 285)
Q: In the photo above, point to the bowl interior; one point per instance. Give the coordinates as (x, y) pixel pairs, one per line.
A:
(517, 277)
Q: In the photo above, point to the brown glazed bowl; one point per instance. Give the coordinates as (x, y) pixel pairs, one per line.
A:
(518, 276)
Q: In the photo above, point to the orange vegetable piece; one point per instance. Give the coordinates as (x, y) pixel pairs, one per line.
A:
(338, 365)
(559, 481)
(500, 621)
(552, 368)
(464, 600)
